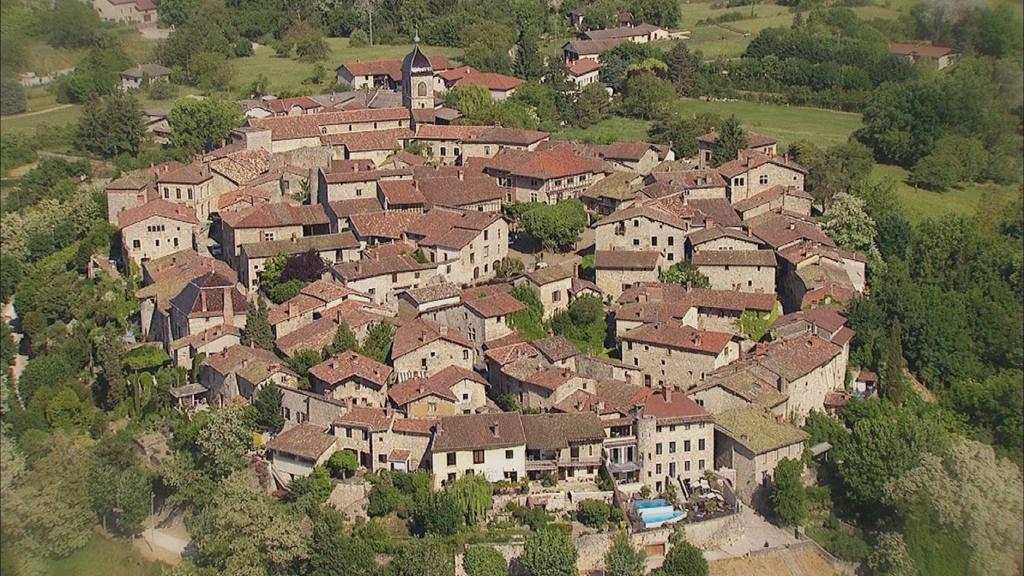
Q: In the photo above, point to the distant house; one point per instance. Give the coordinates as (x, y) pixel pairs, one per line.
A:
(706, 144)
(381, 73)
(296, 451)
(422, 348)
(353, 377)
(755, 172)
(739, 270)
(670, 353)
(157, 228)
(488, 445)
(547, 175)
(939, 56)
(639, 33)
(584, 72)
(284, 107)
(139, 11)
(500, 86)
(617, 271)
(143, 76)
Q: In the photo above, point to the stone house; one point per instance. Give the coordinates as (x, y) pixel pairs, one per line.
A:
(776, 199)
(353, 377)
(144, 76)
(701, 184)
(373, 145)
(319, 333)
(156, 229)
(643, 228)
(781, 231)
(287, 133)
(538, 384)
(239, 372)
(163, 279)
(634, 32)
(553, 285)
(676, 355)
(675, 439)
(617, 271)
(191, 185)
(813, 274)
(721, 238)
(581, 50)
(753, 173)
(566, 445)
(296, 451)
(613, 192)
(382, 73)
(267, 223)
(313, 302)
(354, 184)
(135, 11)
(295, 106)
(428, 300)
(635, 157)
(465, 245)
(499, 86)
(739, 270)
(489, 142)
(488, 445)
(702, 308)
(759, 143)
(207, 342)
(383, 278)
(423, 348)
(547, 175)
(453, 390)
(207, 301)
(752, 443)
(127, 192)
(483, 319)
(938, 56)
(735, 386)
(331, 248)
(584, 72)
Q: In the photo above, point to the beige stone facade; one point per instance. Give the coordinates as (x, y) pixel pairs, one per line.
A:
(675, 367)
(613, 281)
(740, 278)
(433, 357)
(155, 237)
(760, 178)
(642, 233)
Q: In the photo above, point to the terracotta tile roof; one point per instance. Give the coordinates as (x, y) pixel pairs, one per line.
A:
(717, 209)
(309, 125)
(398, 248)
(681, 298)
(620, 186)
(510, 136)
(754, 140)
(475, 292)
(629, 151)
(867, 376)
(306, 441)
(679, 336)
(773, 193)
(186, 174)
(347, 365)
(409, 158)
(320, 333)
(127, 183)
(828, 318)
(414, 426)
(277, 215)
(242, 198)
(401, 193)
(370, 419)
(293, 308)
(556, 348)
(455, 73)
(806, 250)
(479, 432)
(363, 165)
(490, 80)
(642, 29)
(557, 431)
(584, 66)
(456, 192)
(674, 407)
(242, 167)
(734, 258)
(170, 274)
(391, 68)
(293, 246)
(794, 358)
(204, 296)
(580, 285)
(757, 431)
(348, 208)
(626, 260)
(205, 337)
(420, 332)
(351, 271)
(744, 383)
(649, 212)
(447, 131)
(909, 49)
(349, 176)
(557, 162)
(434, 292)
(416, 388)
(369, 140)
(749, 159)
(698, 237)
(157, 209)
(690, 179)
(452, 375)
(512, 352)
(382, 224)
(501, 304)
(780, 230)
(550, 274)
(283, 105)
(254, 364)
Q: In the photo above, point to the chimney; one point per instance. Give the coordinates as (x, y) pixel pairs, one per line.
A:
(689, 285)
(666, 392)
(229, 306)
(494, 430)
(202, 300)
(709, 222)
(443, 330)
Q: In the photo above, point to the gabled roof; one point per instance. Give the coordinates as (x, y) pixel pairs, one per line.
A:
(550, 274)
(556, 348)
(347, 365)
(626, 260)
(401, 193)
(923, 50)
(754, 140)
(391, 68)
(479, 432)
(749, 159)
(584, 66)
(277, 215)
(306, 441)
(556, 162)
(510, 136)
(773, 193)
(382, 224)
(557, 431)
(649, 212)
(157, 209)
(757, 431)
(456, 192)
(243, 166)
(309, 125)
(186, 174)
(779, 230)
(672, 406)
(680, 337)
(699, 237)
(414, 335)
(490, 80)
(734, 258)
(253, 364)
(204, 296)
(592, 47)
(500, 304)
(146, 70)
(290, 247)
(366, 418)
(642, 29)
(351, 271)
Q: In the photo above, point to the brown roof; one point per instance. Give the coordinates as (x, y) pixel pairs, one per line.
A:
(306, 441)
(351, 271)
(500, 304)
(650, 212)
(420, 332)
(243, 166)
(757, 431)
(414, 426)
(347, 365)
(204, 296)
(391, 67)
(773, 193)
(416, 388)
(320, 333)
(592, 47)
(490, 80)
(794, 358)
(170, 274)
(556, 162)
(511, 352)
(717, 208)
(157, 209)
(205, 337)
(309, 125)
(549, 274)
(319, 243)
(242, 198)
(584, 66)
(382, 224)
(281, 105)
(401, 193)
(369, 140)
(510, 136)
(277, 214)
(689, 179)
(351, 207)
(128, 183)
(675, 407)
(734, 258)
(349, 176)
(452, 375)
(371, 419)
(749, 159)
(556, 348)
(908, 49)
(556, 431)
(186, 174)
(827, 318)
(698, 237)
(254, 364)
(479, 432)
(434, 292)
(456, 192)
(626, 260)
(144, 70)
(682, 298)
(754, 140)
(779, 230)
(642, 29)
(619, 186)
(447, 131)
(680, 336)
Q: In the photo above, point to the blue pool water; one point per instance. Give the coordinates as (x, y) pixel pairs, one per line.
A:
(661, 518)
(652, 503)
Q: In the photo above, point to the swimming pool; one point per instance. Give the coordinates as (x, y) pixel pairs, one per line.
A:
(650, 503)
(660, 518)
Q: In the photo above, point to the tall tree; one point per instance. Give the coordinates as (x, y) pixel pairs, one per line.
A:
(111, 126)
(684, 273)
(268, 408)
(894, 378)
(623, 559)
(788, 497)
(646, 95)
(332, 553)
(114, 384)
(198, 125)
(528, 63)
(849, 225)
(377, 344)
(484, 561)
(257, 331)
(731, 139)
(684, 559)
(344, 340)
(549, 552)
(683, 67)
(424, 557)
(473, 495)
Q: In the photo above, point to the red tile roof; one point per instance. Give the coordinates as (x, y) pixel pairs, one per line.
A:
(510, 136)
(557, 162)
(734, 258)
(351, 271)
(309, 125)
(382, 224)
(626, 260)
(416, 388)
(584, 66)
(371, 419)
(401, 193)
(347, 365)
(277, 214)
(500, 304)
(414, 335)
(754, 140)
(413, 426)
(674, 406)
(369, 140)
(157, 209)
(478, 432)
(749, 159)
(391, 68)
(447, 131)
(675, 335)
(186, 174)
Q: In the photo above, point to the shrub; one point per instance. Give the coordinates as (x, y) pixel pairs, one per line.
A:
(12, 97)
(162, 90)
(343, 464)
(484, 561)
(593, 513)
(358, 39)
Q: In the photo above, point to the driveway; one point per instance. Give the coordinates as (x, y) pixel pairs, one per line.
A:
(752, 535)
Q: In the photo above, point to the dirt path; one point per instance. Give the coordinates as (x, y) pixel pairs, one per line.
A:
(10, 315)
(37, 112)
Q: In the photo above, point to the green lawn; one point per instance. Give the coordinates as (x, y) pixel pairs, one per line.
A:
(288, 73)
(27, 124)
(613, 129)
(787, 123)
(102, 557)
(921, 204)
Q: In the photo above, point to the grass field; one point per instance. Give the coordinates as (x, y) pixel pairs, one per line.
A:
(288, 73)
(921, 204)
(102, 557)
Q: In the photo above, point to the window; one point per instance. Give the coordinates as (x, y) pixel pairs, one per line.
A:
(739, 181)
(509, 454)
(556, 296)
(136, 244)
(287, 413)
(654, 240)
(700, 464)
(620, 228)
(189, 193)
(657, 448)
(465, 354)
(686, 466)
(348, 432)
(444, 151)
(671, 447)
(485, 235)
(478, 456)
(451, 477)
(455, 152)
(487, 150)
(533, 196)
(671, 256)
(763, 179)
(167, 193)
(672, 469)
(382, 458)
(359, 192)
(636, 223)
(700, 444)
(177, 193)
(657, 470)
(686, 445)
(432, 407)
(636, 241)
(465, 396)
(451, 458)
(175, 241)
